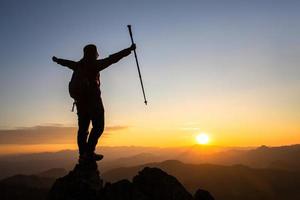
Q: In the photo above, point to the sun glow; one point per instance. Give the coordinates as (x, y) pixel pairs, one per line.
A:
(202, 138)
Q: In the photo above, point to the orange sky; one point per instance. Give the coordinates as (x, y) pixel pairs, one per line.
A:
(230, 69)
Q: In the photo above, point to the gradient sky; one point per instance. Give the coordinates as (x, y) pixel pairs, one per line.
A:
(228, 68)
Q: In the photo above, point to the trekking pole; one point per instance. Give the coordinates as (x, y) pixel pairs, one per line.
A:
(137, 64)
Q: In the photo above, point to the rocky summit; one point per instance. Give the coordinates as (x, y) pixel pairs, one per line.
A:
(84, 183)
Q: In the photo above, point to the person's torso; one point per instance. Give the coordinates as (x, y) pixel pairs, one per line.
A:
(89, 70)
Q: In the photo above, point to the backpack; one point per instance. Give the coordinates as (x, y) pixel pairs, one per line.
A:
(79, 84)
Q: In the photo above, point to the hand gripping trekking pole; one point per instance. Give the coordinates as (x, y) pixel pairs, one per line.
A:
(137, 64)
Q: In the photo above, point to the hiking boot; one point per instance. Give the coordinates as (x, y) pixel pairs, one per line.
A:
(97, 157)
(84, 158)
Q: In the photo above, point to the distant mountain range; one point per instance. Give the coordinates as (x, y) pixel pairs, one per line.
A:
(283, 157)
(224, 182)
(29, 187)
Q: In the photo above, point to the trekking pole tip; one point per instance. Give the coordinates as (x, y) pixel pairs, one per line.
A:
(145, 102)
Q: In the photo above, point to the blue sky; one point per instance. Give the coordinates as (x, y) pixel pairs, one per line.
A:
(193, 55)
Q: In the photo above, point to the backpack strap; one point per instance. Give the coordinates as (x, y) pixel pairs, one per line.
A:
(74, 104)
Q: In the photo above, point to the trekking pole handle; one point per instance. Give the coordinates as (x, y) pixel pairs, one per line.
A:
(130, 33)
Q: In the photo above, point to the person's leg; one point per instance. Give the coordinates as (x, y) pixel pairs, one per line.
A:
(83, 131)
(97, 130)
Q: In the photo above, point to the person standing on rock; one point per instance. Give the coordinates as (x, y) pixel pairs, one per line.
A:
(84, 87)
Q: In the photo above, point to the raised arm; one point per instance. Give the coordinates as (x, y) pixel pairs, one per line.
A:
(67, 63)
(106, 62)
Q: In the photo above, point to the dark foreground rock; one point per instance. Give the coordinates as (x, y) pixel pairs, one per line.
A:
(157, 184)
(202, 194)
(84, 183)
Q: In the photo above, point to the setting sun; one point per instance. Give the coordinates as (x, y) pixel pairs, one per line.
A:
(202, 138)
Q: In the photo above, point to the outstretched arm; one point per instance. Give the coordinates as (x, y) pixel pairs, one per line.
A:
(106, 62)
(67, 63)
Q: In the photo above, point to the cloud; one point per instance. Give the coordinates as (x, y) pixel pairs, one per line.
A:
(49, 134)
(115, 128)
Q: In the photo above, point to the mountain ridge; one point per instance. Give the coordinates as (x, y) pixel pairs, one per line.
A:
(282, 157)
(225, 182)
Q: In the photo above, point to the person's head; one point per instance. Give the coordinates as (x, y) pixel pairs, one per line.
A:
(90, 52)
